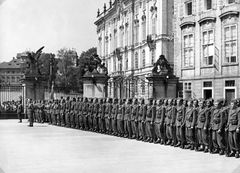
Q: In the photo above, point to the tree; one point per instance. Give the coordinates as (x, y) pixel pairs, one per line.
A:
(67, 76)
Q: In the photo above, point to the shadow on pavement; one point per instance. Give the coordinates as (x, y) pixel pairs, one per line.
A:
(1, 171)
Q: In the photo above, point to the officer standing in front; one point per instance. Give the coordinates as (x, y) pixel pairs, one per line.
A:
(30, 112)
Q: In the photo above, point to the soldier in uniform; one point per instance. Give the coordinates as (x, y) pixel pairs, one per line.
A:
(95, 115)
(108, 110)
(19, 111)
(151, 113)
(76, 111)
(233, 129)
(101, 115)
(141, 119)
(217, 126)
(62, 112)
(47, 110)
(134, 118)
(181, 110)
(190, 119)
(50, 112)
(195, 112)
(114, 116)
(41, 111)
(35, 113)
(72, 113)
(120, 121)
(85, 113)
(30, 112)
(202, 125)
(126, 118)
(170, 122)
(80, 113)
(67, 112)
(157, 120)
(56, 112)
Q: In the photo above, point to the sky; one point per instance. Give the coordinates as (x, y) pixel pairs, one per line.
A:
(55, 24)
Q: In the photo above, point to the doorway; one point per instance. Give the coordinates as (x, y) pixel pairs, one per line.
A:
(207, 94)
(229, 94)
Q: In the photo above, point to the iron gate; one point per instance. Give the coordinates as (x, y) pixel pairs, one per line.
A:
(9, 95)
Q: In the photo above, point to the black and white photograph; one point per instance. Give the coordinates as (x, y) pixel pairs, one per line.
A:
(120, 86)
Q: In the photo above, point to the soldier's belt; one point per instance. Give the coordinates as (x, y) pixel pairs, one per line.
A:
(202, 119)
(233, 122)
(216, 121)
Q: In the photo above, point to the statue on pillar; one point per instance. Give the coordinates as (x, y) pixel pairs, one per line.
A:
(32, 61)
(162, 66)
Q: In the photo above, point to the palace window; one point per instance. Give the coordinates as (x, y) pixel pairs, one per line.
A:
(153, 56)
(188, 8)
(115, 40)
(144, 4)
(136, 27)
(106, 48)
(143, 58)
(126, 36)
(231, 1)
(188, 50)
(121, 38)
(154, 21)
(208, 47)
(229, 83)
(114, 64)
(208, 4)
(144, 26)
(188, 90)
(143, 87)
(230, 43)
(136, 60)
(126, 61)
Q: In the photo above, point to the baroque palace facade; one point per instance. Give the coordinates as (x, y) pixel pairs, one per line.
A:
(206, 48)
(132, 34)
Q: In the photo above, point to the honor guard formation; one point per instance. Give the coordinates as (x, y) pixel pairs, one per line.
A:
(196, 124)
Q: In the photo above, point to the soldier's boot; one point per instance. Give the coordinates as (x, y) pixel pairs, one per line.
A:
(178, 144)
(221, 152)
(206, 149)
(231, 154)
(215, 151)
(192, 147)
(201, 148)
(237, 154)
(158, 140)
(168, 142)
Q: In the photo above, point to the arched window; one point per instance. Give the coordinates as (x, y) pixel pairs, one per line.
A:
(154, 24)
(144, 28)
(126, 61)
(143, 58)
(136, 60)
(153, 56)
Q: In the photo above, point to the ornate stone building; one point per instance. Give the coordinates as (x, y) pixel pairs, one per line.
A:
(206, 47)
(10, 72)
(132, 34)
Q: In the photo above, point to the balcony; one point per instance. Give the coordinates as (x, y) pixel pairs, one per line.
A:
(117, 74)
(230, 9)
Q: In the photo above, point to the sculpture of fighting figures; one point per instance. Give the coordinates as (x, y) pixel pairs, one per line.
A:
(95, 65)
(32, 63)
(162, 66)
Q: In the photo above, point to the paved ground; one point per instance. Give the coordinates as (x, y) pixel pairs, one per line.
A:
(50, 149)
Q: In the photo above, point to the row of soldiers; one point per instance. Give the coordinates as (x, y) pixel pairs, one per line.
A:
(201, 125)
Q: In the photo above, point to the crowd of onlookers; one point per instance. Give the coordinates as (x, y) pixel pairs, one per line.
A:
(8, 106)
